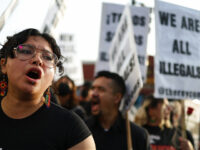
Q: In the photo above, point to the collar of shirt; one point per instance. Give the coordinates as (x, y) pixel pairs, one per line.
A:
(119, 124)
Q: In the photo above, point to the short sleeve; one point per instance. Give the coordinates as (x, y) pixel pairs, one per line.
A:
(78, 130)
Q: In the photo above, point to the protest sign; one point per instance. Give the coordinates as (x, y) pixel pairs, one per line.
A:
(111, 14)
(55, 13)
(177, 69)
(123, 59)
(71, 62)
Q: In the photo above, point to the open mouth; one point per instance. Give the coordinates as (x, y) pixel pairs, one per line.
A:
(95, 102)
(95, 105)
(34, 73)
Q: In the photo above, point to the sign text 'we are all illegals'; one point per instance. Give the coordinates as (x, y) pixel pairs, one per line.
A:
(177, 60)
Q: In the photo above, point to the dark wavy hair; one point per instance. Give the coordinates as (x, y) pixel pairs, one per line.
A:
(21, 37)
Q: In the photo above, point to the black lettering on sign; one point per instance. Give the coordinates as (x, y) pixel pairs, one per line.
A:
(176, 69)
(114, 53)
(141, 60)
(167, 19)
(122, 30)
(113, 18)
(190, 24)
(138, 39)
(104, 56)
(108, 19)
(138, 20)
(109, 36)
(129, 68)
(181, 47)
(132, 93)
(120, 61)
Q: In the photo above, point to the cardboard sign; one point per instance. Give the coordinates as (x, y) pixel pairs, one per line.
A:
(111, 14)
(177, 70)
(71, 62)
(123, 59)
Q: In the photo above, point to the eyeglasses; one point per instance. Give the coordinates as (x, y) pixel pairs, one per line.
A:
(26, 52)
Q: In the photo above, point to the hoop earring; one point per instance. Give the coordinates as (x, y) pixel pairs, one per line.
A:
(3, 86)
(48, 98)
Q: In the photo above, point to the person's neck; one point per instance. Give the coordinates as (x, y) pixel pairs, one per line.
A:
(158, 123)
(20, 107)
(108, 120)
(155, 122)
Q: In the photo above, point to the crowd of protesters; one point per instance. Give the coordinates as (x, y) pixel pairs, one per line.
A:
(156, 125)
(39, 113)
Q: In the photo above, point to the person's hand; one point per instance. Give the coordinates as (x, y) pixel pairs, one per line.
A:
(185, 144)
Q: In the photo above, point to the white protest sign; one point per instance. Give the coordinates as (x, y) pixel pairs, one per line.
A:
(123, 59)
(71, 63)
(111, 14)
(177, 69)
(54, 15)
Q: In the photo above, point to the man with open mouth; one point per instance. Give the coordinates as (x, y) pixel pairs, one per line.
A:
(106, 123)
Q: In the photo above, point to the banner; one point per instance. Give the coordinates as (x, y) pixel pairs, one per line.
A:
(124, 61)
(177, 67)
(111, 14)
(71, 62)
(6, 9)
(54, 15)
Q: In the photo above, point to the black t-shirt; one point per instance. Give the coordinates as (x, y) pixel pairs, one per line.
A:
(53, 128)
(161, 139)
(79, 110)
(115, 138)
(166, 138)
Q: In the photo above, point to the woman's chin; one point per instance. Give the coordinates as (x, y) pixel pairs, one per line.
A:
(31, 90)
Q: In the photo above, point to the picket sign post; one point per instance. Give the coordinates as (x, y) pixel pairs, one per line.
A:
(183, 125)
(128, 133)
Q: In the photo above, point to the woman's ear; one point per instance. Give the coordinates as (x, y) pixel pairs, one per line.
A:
(3, 65)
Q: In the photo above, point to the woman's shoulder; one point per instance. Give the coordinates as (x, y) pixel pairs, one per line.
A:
(55, 110)
(69, 120)
(64, 115)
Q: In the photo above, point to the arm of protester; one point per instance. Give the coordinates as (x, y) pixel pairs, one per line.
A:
(87, 144)
(185, 144)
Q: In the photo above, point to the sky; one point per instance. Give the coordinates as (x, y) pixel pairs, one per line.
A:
(82, 19)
